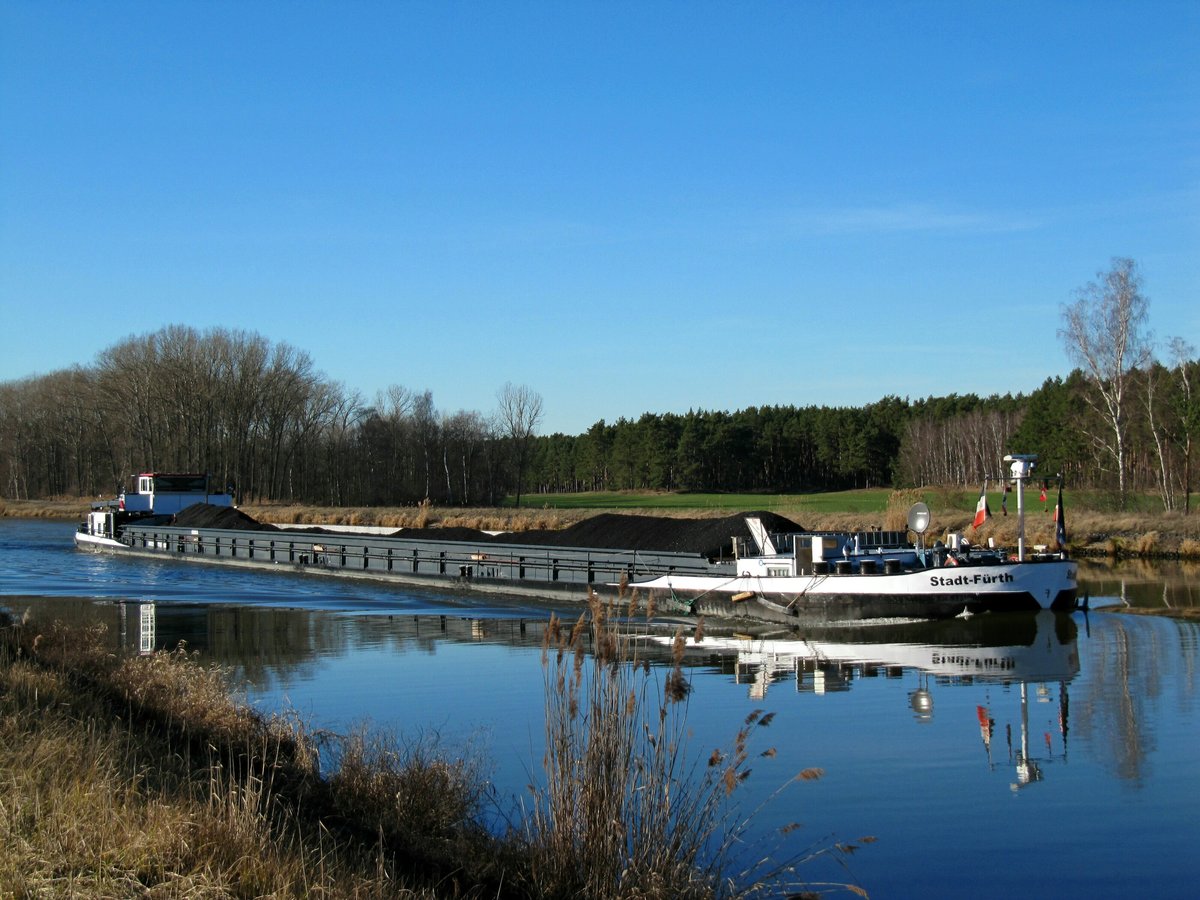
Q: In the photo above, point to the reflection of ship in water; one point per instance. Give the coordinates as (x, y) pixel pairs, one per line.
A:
(990, 648)
(1038, 654)
(138, 627)
(1028, 766)
(228, 632)
(261, 644)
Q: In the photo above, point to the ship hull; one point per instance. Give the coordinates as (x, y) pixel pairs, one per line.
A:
(923, 593)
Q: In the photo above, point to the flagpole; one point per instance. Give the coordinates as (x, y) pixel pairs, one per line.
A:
(1020, 517)
(1060, 525)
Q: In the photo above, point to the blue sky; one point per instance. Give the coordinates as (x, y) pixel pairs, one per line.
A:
(627, 207)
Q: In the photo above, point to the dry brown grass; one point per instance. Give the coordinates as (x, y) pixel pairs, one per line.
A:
(1148, 544)
(899, 503)
(422, 516)
(142, 777)
(420, 798)
(55, 508)
(625, 811)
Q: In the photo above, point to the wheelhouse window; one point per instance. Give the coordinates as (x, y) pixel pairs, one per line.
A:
(181, 484)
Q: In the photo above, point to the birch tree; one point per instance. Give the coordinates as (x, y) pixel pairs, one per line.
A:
(1104, 332)
(1187, 403)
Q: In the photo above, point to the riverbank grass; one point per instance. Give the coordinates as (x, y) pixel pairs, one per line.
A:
(1096, 523)
(140, 776)
(129, 778)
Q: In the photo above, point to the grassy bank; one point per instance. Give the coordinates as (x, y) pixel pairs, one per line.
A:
(142, 776)
(1095, 525)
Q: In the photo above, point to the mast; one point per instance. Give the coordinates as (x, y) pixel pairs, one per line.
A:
(1021, 467)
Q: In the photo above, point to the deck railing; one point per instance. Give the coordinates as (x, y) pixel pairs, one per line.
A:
(383, 555)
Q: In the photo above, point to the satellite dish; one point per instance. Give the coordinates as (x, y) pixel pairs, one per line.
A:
(918, 518)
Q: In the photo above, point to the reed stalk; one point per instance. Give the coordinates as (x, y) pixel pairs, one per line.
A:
(626, 810)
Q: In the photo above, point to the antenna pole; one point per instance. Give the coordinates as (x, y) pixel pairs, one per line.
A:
(1021, 466)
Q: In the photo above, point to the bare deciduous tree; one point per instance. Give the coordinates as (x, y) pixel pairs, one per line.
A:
(1163, 475)
(462, 435)
(520, 414)
(1183, 354)
(425, 424)
(1104, 334)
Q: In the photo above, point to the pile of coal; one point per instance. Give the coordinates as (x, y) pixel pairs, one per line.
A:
(455, 533)
(206, 515)
(712, 538)
(620, 531)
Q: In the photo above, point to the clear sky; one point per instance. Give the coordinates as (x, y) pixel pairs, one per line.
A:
(629, 207)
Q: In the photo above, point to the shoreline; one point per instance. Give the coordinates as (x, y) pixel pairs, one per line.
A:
(1092, 533)
(148, 774)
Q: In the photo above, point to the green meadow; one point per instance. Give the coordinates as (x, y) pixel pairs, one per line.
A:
(873, 500)
(866, 501)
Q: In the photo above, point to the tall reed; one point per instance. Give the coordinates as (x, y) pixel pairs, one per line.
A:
(626, 811)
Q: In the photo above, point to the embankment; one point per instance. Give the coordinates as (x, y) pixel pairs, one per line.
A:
(1159, 535)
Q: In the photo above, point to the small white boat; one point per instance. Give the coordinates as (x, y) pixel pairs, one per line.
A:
(154, 495)
(880, 574)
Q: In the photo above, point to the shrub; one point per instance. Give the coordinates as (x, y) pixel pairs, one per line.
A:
(1147, 544)
(414, 794)
(898, 505)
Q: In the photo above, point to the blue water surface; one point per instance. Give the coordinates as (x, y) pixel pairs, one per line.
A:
(1048, 757)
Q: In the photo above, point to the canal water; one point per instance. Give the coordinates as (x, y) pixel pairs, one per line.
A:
(998, 756)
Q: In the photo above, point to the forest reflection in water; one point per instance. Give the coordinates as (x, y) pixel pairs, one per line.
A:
(270, 651)
(1142, 583)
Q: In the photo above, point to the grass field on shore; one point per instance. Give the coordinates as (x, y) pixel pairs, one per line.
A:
(872, 500)
(865, 501)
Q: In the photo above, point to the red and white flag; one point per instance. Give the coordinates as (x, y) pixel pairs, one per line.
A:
(982, 512)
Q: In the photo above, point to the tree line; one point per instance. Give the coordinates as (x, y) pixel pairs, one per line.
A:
(1123, 420)
(260, 418)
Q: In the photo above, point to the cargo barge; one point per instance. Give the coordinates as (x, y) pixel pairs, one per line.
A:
(760, 567)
